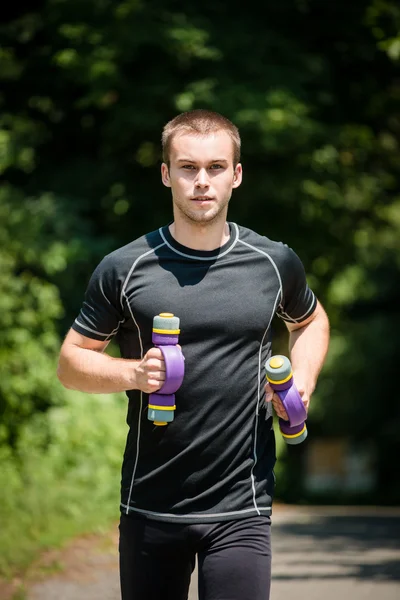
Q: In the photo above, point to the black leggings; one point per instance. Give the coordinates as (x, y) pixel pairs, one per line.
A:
(157, 559)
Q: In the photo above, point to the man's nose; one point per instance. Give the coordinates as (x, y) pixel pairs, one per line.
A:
(202, 178)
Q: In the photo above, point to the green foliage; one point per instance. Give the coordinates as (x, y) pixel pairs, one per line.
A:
(63, 479)
(85, 90)
(29, 309)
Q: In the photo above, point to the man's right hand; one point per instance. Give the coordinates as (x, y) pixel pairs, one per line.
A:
(150, 371)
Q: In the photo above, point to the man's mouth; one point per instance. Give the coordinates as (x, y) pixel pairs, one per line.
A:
(202, 198)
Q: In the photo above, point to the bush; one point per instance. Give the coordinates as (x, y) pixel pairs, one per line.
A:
(63, 479)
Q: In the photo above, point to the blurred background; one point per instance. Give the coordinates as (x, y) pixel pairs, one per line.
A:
(86, 87)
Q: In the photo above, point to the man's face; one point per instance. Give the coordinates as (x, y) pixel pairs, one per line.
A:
(201, 176)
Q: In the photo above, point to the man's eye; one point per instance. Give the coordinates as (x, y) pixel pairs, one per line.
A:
(189, 167)
(214, 167)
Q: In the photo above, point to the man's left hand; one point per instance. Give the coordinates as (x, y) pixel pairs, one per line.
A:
(271, 396)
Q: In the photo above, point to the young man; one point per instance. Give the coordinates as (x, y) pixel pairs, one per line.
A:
(203, 484)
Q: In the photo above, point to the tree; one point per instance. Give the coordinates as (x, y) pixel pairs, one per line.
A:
(87, 87)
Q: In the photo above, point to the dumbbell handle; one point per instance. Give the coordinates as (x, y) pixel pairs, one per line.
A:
(174, 369)
(292, 403)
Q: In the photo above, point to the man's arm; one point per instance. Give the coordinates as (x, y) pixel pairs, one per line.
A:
(308, 346)
(84, 366)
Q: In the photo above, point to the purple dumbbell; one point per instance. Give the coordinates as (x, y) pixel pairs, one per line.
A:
(280, 377)
(165, 336)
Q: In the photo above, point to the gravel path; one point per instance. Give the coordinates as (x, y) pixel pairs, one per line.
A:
(318, 553)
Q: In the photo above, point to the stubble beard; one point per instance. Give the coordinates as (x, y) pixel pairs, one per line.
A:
(213, 215)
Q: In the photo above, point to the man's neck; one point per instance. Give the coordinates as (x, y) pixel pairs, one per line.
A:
(207, 236)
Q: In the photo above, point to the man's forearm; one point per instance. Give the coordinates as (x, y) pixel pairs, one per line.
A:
(308, 347)
(94, 372)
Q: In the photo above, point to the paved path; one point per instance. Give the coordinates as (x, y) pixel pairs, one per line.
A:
(318, 553)
(331, 554)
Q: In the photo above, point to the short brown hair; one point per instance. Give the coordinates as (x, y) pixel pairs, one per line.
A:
(199, 122)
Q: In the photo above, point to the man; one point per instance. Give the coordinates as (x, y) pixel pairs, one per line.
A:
(203, 484)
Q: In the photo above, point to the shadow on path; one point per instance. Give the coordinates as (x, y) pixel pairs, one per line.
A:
(335, 554)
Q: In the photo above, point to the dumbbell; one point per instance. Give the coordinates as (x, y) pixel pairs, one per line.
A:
(280, 377)
(165, 336)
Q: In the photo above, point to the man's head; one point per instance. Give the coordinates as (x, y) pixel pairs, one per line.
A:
(201, 152)
(199, 122)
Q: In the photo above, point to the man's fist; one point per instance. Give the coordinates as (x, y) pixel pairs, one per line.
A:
(271, 396)
(150, 371)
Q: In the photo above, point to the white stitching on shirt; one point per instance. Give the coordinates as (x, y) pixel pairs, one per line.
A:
(194, 516)
(285, 317)
(133, 267)
(91, 330)
(106, 335)
(258, 400)
(280, 293)
(271, 261)
(194, 257)
(123, 295)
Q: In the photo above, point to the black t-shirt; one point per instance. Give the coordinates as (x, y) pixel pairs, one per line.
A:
(215, 461)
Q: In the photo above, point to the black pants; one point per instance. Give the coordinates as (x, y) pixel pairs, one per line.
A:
(157, 559)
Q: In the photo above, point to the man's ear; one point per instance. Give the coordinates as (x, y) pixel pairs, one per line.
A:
(165, 175)
(237, 175)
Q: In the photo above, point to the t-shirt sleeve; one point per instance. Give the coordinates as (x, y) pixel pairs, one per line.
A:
(298, 301)
(101, 314)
